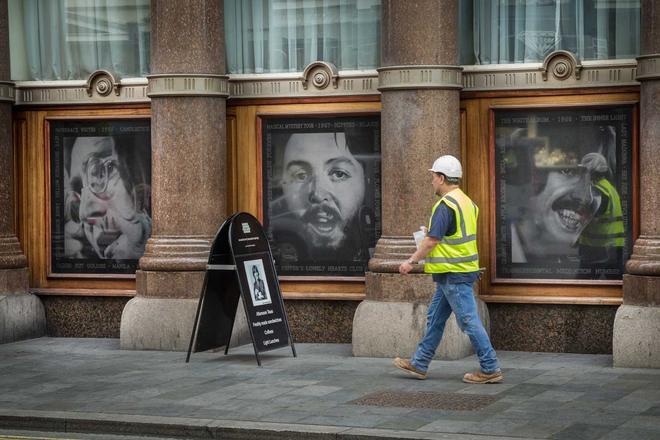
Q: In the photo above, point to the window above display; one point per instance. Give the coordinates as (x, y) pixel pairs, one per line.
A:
(59, 40)
(505, 32)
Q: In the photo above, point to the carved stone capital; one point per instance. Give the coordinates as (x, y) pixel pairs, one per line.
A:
(7, 92)
(163, 85)
(176, 253)
(648, 67)
(645, 259)
(419, 77)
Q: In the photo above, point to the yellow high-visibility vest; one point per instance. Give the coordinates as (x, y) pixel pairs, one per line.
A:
(458, 252)
(606, 230)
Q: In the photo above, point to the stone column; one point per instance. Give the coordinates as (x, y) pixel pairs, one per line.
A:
(188, 89)
(21, 313)
(420, 83)
(637, 322)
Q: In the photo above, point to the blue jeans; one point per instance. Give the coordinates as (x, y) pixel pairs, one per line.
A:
(456, 297)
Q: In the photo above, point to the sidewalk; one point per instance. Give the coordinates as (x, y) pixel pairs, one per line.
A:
(91, 386)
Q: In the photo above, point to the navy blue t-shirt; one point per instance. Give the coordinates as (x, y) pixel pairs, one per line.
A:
(443, 224)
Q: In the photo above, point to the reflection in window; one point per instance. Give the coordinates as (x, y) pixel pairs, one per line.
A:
(285, 35)
(563, 179)
(69, 39)
(514, 31)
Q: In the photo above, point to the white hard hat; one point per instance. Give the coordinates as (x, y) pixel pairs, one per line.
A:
(447, 165)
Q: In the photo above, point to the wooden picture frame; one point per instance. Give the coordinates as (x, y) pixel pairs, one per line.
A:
(539, 163)
(98, 195)
(323, 252)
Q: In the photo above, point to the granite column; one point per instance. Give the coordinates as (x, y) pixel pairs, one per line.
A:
(637, 321)
(420, 83)
(188, 90)
(21, 313)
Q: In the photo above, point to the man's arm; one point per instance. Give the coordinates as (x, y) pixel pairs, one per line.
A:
(442, 223)
(424, 248)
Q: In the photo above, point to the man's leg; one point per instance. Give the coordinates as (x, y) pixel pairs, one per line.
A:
(438, 313)
(461, 298)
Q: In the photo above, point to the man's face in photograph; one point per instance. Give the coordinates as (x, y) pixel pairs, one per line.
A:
(107, 209)
(565, 206)
(323, 185)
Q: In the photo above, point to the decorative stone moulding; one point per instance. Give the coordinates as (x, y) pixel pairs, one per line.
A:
(556, 72)
(562, 64)
(129, 90)
(102, 83)
(419, 77)
(320, 74)
(7, 91)
(648, 67)
(325, 80)
(561, 70)
(174, 84)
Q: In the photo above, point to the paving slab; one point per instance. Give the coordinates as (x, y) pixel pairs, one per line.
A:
(89, 388)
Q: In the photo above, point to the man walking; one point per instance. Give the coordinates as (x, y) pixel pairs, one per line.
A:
(450, 253)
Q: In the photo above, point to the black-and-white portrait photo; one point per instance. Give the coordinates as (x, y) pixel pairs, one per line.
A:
(563, 193)
(101, 195)
(322, 193)
(255, 273)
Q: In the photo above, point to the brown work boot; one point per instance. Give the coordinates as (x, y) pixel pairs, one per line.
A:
(481, 377)
(405, 365)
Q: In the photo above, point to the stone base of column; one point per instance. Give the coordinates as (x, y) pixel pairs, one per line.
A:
(394, 327)
(22, 314)
(637, 324)
(161, 317)
(635, 343)
(166, 324)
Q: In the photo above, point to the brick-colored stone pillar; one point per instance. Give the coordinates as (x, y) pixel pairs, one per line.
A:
(420, 83)
(188, 89)
(637, 322)
(21, 313)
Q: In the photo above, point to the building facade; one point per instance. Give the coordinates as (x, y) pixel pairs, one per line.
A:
(130, 130)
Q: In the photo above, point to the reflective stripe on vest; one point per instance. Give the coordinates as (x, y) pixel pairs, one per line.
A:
(458, 252)
(607, 229)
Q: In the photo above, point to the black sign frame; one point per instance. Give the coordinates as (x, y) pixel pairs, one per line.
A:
(241, 264)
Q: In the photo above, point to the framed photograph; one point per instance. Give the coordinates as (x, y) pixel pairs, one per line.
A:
(321, 193)
(259, 292)
(563, 193)
(100, 195)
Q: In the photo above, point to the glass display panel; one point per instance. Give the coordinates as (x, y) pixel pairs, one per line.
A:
(100, 195)
(563, 193)
(321, 193)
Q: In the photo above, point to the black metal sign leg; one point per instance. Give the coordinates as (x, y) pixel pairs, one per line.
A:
(229, 340)
(199, 311)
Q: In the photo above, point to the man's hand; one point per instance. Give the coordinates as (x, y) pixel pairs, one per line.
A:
(427, 244)
(405, 268)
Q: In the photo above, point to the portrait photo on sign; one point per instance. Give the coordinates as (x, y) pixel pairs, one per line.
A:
(563, 185)
(321, 193)
(100, 195)
(256, 276)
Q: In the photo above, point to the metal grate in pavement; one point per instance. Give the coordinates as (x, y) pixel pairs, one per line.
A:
(428, 400)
